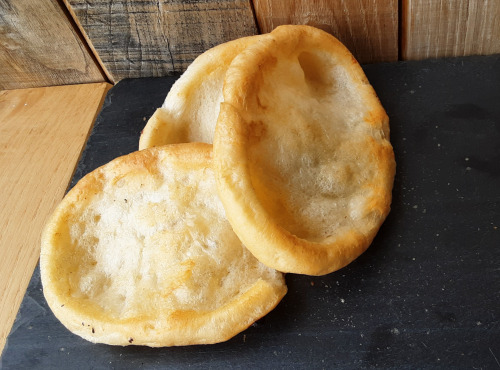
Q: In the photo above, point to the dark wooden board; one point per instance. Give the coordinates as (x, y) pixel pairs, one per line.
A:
(424, 295)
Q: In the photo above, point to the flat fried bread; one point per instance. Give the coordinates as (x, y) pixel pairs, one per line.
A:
(139, 252)
(302, 155)
(190, 110)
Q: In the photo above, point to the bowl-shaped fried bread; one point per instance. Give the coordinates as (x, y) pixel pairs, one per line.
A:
(302, 155)
(139, 252)
(190, 110)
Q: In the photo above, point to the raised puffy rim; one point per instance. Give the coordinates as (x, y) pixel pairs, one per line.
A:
(163, 128)
(179, 327)
(273, 245)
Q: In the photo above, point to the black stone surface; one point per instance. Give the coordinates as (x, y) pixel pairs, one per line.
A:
(426, 294)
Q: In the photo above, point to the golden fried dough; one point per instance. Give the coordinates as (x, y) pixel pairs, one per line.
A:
(139, 252)
(190, 110)
(302, 156)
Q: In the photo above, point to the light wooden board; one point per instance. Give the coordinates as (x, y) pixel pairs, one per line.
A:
(158, 38)
(40, 47)
(444, 28)
(42, 133)
(368, 28)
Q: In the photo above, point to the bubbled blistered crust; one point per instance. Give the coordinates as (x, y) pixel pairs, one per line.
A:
(139, 252)
(303, 160)
(190, 110)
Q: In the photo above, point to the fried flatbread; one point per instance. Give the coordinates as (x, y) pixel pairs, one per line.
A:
(190, 110)
(139, 252)
(302, 155)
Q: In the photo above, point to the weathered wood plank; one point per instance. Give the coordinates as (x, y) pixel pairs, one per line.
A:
(368, 28)
(40, 47)
(156, 38)
(42, 134)
(445, 28)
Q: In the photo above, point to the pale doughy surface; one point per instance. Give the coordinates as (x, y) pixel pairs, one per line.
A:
(190, 110)
(302, 153)
(139, 252)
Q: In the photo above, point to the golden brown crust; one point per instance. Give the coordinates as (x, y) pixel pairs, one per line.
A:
(190, 110)
(139, 252)
(303, 162)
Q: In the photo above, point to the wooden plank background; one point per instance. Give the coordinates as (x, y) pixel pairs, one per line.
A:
(157, 38)
(40, 47)
(368, 28)
(444, 28)
(57, 42)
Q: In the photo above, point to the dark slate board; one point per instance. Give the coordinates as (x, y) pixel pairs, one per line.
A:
(425, 294)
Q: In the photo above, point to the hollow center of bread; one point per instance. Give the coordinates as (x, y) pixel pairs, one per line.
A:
(307, 146)
(152, 243)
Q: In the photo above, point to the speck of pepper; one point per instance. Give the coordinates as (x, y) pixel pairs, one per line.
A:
(131, 340)
(93, 331)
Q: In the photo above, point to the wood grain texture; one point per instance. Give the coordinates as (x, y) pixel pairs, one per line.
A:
(40, 47)
(368, 28)
(446, 28)
(42, 134)
(158, 38)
